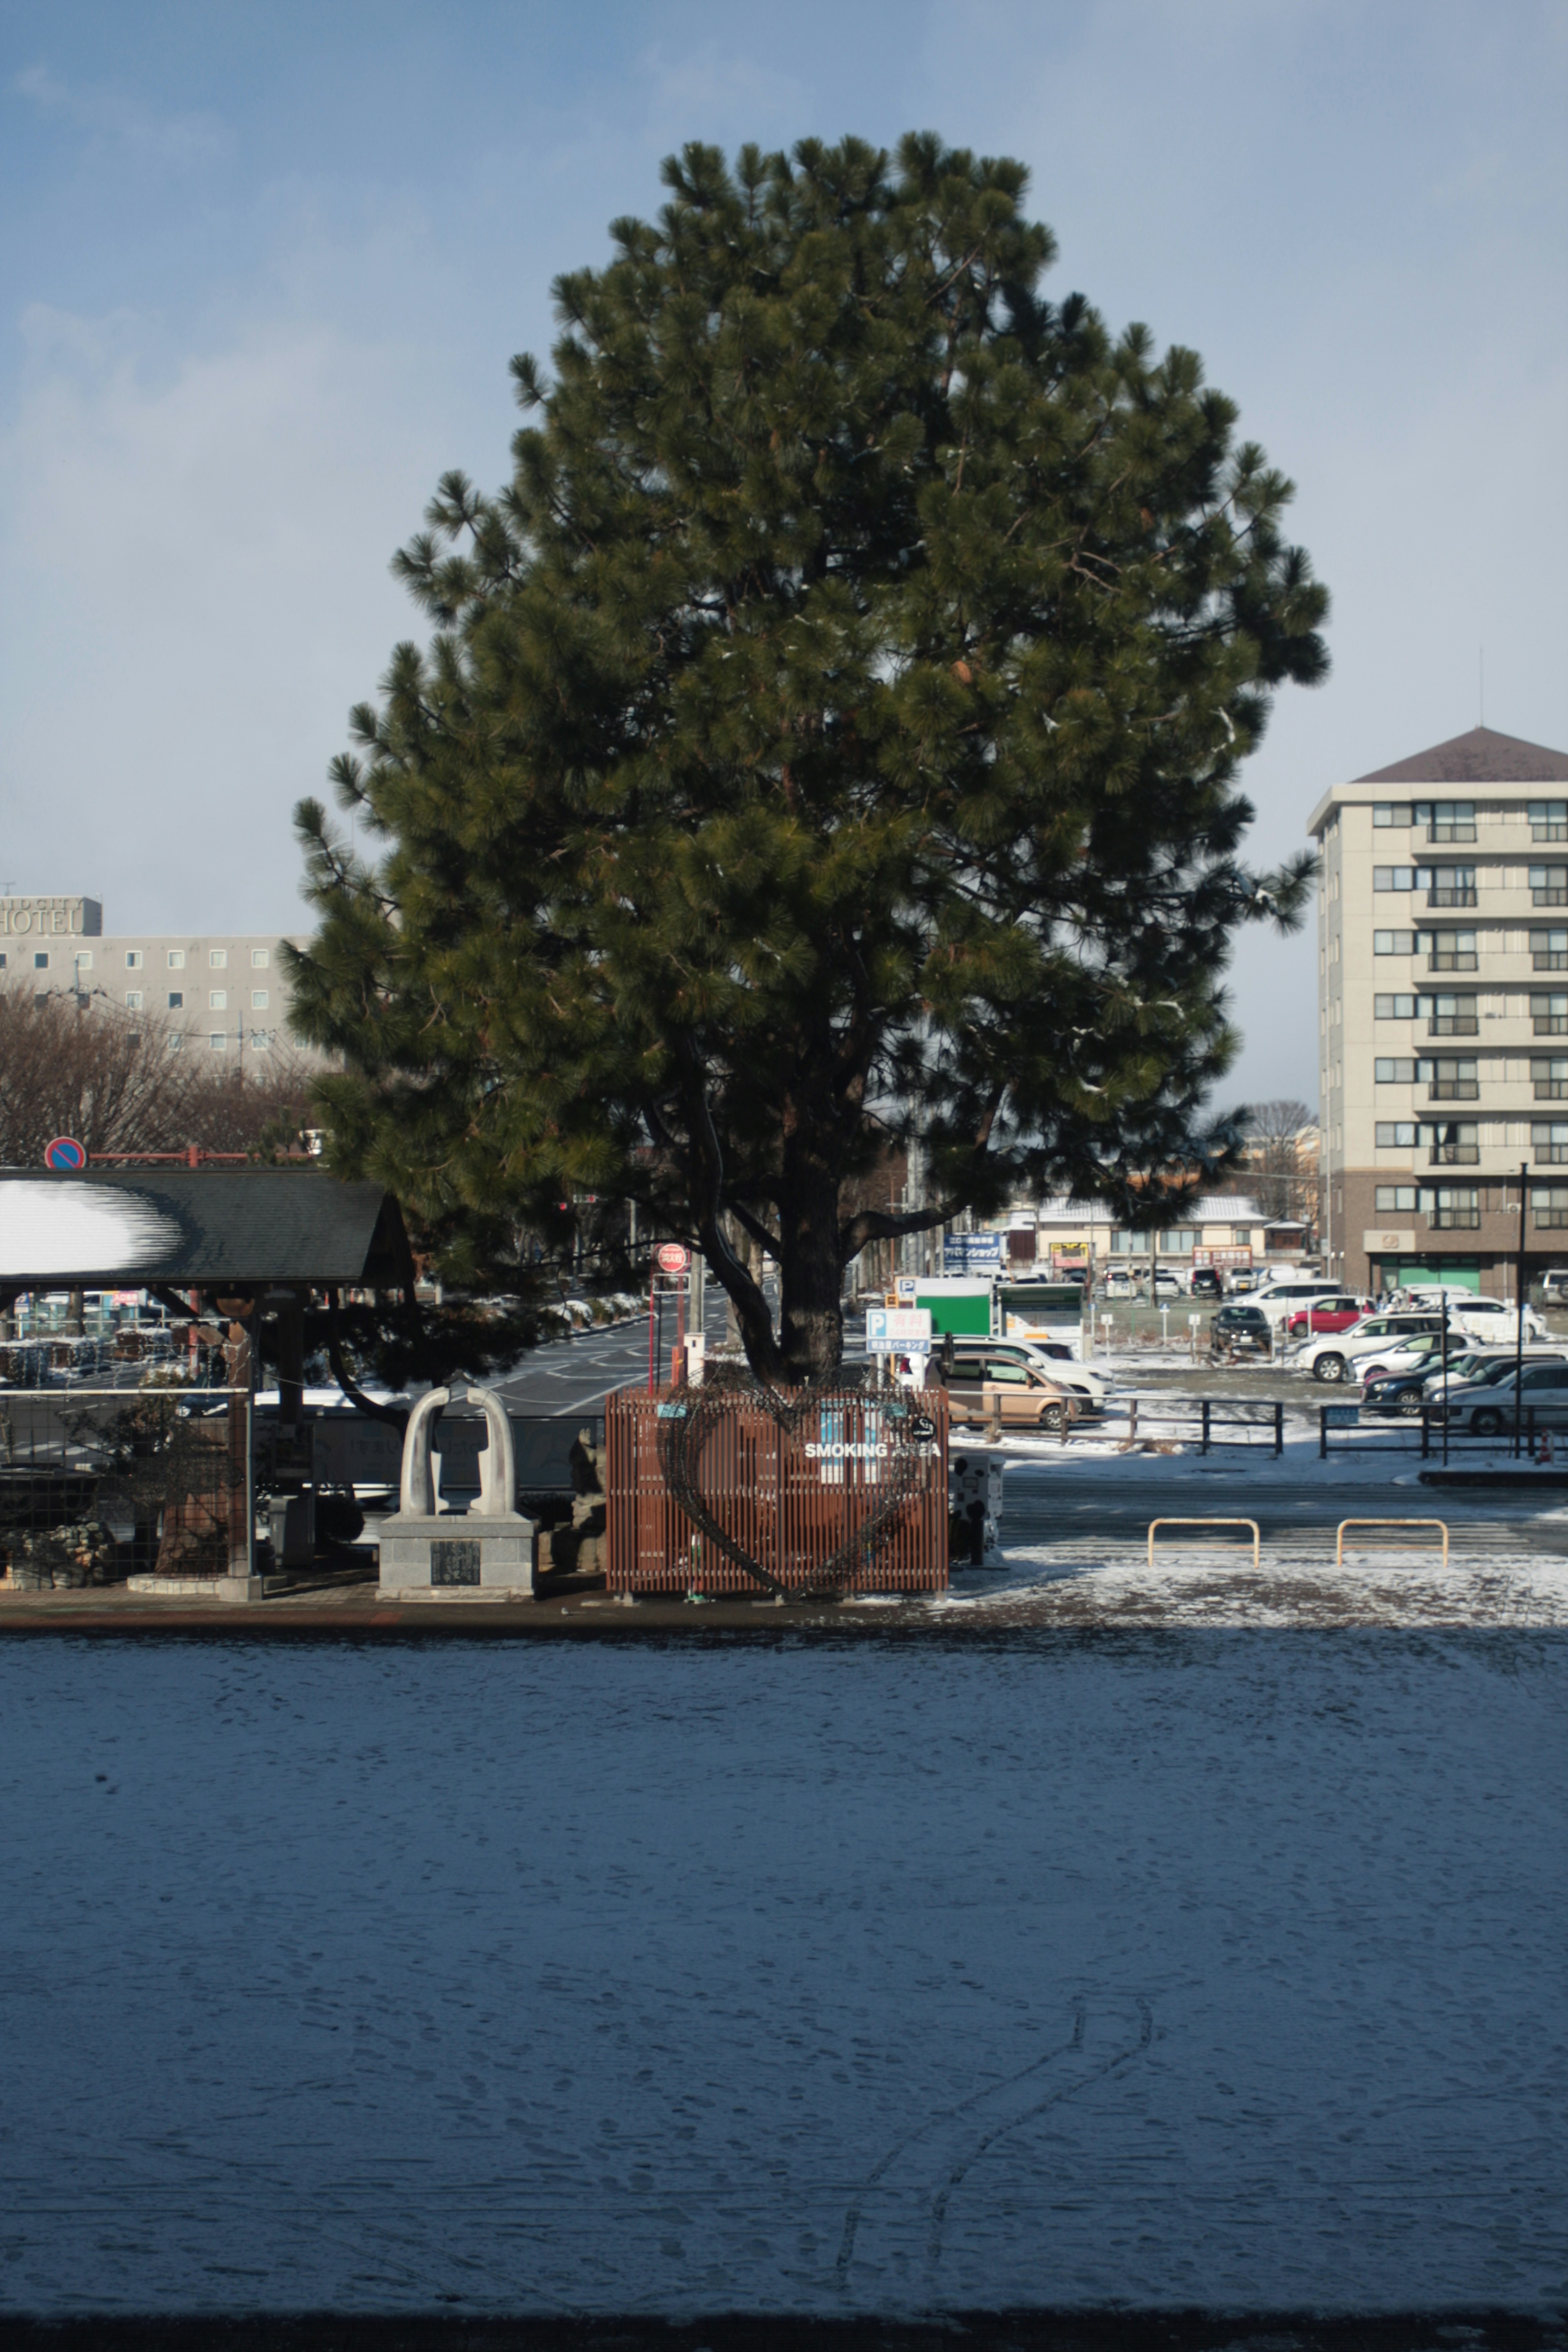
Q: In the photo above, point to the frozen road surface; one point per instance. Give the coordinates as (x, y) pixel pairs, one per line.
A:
(1212, 1968)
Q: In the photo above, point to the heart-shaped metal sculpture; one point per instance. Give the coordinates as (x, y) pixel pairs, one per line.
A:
(902, 1435)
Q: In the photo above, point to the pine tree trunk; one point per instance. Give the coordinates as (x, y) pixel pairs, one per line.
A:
(810, 1279)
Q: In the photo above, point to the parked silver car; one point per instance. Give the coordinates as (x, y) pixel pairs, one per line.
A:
(1489, 1407)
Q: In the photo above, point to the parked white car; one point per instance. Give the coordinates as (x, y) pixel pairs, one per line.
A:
(1375, 1339)
(1042, 1356)
(1493, 1319)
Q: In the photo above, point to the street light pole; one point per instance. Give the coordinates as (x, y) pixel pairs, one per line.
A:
(1518, 1313)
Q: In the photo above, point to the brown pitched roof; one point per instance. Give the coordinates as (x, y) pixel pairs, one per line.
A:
(1481, 757)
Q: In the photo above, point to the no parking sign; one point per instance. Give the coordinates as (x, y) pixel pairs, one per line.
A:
(65, 1154)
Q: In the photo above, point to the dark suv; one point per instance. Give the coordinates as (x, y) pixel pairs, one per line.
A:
(1241, 1331)
(1206, 1283)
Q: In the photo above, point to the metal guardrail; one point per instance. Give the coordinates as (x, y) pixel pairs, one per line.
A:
(1340, 1533)
(1341, 1429)
(1255, 1423)
(1205, 1523)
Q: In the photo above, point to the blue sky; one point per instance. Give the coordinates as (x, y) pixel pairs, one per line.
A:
(261, 269)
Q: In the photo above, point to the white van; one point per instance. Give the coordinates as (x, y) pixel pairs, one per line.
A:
(1282, 1298)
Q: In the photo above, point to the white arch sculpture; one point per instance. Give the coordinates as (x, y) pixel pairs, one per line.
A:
(416, 1538)
(498, 1463)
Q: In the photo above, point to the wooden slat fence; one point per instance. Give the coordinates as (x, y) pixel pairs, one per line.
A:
(791, 1494)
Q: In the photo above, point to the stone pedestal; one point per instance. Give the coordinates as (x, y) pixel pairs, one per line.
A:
(445, 1558)
(486, 1553)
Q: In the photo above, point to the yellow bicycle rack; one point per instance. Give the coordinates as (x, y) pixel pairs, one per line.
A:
(1340, 1538)
(1204, 1523)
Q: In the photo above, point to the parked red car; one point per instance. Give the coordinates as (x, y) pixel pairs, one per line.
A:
(1326, 1314)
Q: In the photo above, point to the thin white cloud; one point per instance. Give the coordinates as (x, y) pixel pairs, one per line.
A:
(177, 142)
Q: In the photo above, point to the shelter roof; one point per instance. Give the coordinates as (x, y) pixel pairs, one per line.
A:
(128, 1230)
(1481, 756)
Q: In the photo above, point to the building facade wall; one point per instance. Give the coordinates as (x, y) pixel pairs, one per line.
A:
(218, 992)
(1443, 1028)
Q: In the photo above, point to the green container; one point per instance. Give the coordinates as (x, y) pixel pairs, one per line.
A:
(965, 1313)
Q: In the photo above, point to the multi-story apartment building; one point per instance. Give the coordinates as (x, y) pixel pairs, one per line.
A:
(218, 992)
(1443, 1014)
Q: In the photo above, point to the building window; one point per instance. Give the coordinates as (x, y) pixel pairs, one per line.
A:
(177, 1041)
(133, 1000)
(1392, 942)
(1395, 1134)
(41, 961)
(1549, 1014)
(1549, 886)
(261, 1041)
(1549, 1143)
(217, 1000)
(1548, 820)
(1391, 1197)
(1447, 820)
(260, 957)
(176, 959)
(1453, 1145)
(1241, 1237)
(1447, 885)
(1550, 1203)
(217, 1040)
(1449, 951)
(1385, 812)
(1551, 1081)
(176, 998)
(1548, 951)
(1455, 1207)
(1393, 1008)
(1178, 1240)
(1387, 1073)
(84, 959)
(1129, 1245)
(259, 1000)
(1451, 1016)
(218, 958)
(1393, 877)
(2, 960)
(1452, 1081)
(133, 958)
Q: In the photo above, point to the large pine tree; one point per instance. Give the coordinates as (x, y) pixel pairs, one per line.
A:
(829, 735)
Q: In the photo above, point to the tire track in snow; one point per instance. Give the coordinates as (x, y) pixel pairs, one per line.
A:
(1009, 2122)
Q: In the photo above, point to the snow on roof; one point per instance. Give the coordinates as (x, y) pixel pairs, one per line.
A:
(256, 1224)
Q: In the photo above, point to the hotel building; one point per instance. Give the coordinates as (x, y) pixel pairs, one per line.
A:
(219, 992)
(1443, 1014)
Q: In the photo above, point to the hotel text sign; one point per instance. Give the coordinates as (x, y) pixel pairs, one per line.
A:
(50, 918)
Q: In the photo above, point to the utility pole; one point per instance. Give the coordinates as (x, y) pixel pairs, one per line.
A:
(1518, 1313)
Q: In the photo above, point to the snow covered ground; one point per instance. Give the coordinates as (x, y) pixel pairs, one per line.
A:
(1198, 1967)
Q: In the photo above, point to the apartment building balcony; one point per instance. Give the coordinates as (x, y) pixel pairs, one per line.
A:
(1453, 1024)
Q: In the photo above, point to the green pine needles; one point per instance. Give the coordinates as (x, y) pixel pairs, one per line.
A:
(828, 737)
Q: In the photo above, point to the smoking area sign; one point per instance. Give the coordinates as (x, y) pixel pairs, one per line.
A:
(898, 1330)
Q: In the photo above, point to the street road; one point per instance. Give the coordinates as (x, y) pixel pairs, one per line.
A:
(576, 1375)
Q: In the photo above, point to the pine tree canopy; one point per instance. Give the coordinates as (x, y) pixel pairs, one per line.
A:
(828, 737)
